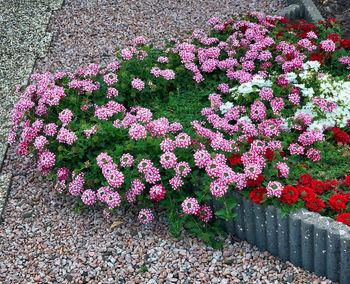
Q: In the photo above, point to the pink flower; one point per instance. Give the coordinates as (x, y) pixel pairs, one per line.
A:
(152, 175)
(47, 159)
(143, 115)
(182, 169)
(274, 188)
(137, 186)
(113, 200)
(190, 206)
(62, 173)
(103, 159)
(110, 78)
(137, 84)
(126, 54)
(168, 74)
(126, 160)
(163, 59)
(65, 116)
(224, 88)
(277, 105)
(205, 213)
(139, 40)
(182, 140)
(176, 182)
(201, 158)
(40, 142)
(88, 197)
(167, 145)
(137, 131)
(218, 188)
(103, 192)
(145, 216)
(144, 165)
(327, 45)
(168, 160)
(283, 168)
(157, 192)
(266, 94)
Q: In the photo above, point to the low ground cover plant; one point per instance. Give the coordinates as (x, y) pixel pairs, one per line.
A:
(261, 105)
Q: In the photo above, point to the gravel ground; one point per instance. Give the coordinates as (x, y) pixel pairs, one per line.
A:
(43, 240)
(87, 31)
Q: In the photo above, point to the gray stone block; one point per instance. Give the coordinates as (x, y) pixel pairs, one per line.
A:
(249, 220)
(283, 235)
(345, 259)
(239, 222)
(320, 245)
(260, 226)
(271, 230)
(307, 243)
(292, 11)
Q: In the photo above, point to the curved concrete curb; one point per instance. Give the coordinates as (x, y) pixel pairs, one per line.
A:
(24, 26)
(306, 239)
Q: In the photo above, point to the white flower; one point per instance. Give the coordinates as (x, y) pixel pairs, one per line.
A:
(225, 107)
(245, 88)
(291, 77)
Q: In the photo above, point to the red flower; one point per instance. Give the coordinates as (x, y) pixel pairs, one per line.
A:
(335, 130)
(258, 181)
(337, 202)
(342, 137)
(269, 155)
(318, 186)
(315, 204)
(285, 21)
(235, 159)
(346, 181)
(344, 218)
(257, 195)
(290, 194)
(332, 20)
(316, 56)
(305, 179)
(306, 192)
(345, 43)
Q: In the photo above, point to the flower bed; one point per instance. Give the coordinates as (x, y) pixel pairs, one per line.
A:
(142, 131)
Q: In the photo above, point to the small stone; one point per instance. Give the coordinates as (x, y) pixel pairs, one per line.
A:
(27, 215)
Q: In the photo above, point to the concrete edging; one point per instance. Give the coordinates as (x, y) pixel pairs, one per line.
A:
(306, 239)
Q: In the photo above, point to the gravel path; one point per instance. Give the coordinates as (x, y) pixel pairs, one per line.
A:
(87, 31)
(43, 240)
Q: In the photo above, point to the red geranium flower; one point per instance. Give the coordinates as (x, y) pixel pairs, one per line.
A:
(337, 202)
(344, 218)
(290, 194)
(315, 204)
(257, 195)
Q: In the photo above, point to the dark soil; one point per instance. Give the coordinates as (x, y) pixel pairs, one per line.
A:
(339, 10)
